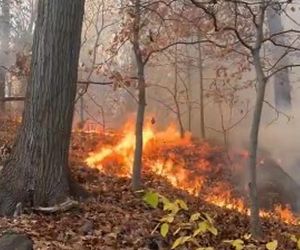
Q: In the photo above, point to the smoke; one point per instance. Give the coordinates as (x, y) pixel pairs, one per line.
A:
(227, 120)
(282, 138)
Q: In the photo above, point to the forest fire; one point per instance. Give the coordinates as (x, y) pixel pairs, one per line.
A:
(197, 168)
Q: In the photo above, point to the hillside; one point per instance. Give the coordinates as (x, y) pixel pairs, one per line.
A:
(116, 218)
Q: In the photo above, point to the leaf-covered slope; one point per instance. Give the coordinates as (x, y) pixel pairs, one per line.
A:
(116, 218)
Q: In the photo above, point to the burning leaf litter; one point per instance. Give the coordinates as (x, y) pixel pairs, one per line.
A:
(116, 218)
(198, 168)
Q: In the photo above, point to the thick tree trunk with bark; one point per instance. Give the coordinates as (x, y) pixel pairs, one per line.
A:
(37, 173)
(282, 86)
(5, 29)
(138, 153)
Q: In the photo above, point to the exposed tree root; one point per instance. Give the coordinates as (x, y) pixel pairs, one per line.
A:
(62, 207)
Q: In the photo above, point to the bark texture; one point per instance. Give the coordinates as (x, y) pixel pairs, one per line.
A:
(260, 95)
(15, 241)
(138, 153)
(255, 227)
(37, 173)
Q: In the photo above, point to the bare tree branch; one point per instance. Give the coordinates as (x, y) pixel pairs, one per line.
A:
(281, 69)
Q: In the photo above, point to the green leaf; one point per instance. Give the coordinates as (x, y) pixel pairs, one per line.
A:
(209, 225)
(151, 198)
(238, 244)
(203, 225)
(293, 238)
(163, 199)
(213, 230)
(172, 207)
(168, 218)
(164, 229)
(205, 248)
(182, 204)
(202, 228)
(197, 232)
(272, 245)
(180, 241)
(195, 217)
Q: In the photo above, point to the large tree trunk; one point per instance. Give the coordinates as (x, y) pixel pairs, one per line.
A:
(37, 172)
(138, 153)
(5, 29)
(282, 86)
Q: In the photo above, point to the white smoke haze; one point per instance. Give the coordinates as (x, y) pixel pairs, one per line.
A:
(281, 137)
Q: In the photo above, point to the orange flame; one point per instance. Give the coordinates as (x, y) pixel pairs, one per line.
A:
(185, 164)
(122, 152)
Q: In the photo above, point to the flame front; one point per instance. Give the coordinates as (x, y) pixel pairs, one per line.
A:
(122, 153)
(191, 166)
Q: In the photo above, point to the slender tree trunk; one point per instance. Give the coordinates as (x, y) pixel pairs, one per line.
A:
(130, 93)
(201, 87)
(189, 90)
(5, 30)
(2, 91)
(33, 14)
(178, 110)
(81, 112)
(37, 173)
(260, 95)
(138, 153)
(282, 86)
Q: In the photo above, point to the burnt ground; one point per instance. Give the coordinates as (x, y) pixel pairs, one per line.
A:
(116, 218)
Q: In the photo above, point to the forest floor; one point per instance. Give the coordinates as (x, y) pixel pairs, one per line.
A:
(117, 218)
